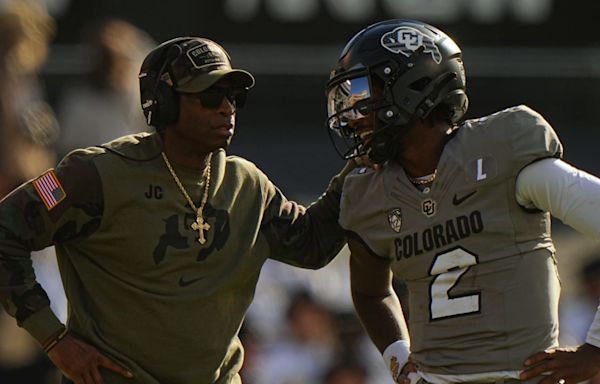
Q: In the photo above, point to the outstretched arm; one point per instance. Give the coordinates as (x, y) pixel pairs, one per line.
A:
(573, 196)
(305, 237)
(378, 306)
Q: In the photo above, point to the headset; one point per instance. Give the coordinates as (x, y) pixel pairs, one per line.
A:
(160, 102)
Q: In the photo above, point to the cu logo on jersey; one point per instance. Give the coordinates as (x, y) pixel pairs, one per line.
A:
(395, 219)
(429, 207)
(407, 40)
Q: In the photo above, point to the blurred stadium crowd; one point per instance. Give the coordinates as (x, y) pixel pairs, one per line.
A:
(301, 328)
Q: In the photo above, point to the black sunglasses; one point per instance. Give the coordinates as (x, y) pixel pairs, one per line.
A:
(213, 97)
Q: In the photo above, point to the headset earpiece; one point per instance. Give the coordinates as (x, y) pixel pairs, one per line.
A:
(160, 102)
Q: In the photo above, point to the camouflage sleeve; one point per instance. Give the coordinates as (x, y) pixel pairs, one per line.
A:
(304, 237)
(62, 205)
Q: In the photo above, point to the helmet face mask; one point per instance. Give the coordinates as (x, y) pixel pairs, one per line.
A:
(390, 74)
(346, 101)
(352, 103)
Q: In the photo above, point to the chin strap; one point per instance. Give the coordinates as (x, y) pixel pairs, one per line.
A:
(386, 144)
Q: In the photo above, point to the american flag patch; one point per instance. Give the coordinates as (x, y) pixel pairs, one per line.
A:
(49, 189)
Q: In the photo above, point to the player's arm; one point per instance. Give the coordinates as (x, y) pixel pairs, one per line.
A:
(378, 306)
(573, 196)
(63, 206)
(305, 237)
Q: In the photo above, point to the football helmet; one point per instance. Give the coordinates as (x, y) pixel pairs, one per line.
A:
(392, 73)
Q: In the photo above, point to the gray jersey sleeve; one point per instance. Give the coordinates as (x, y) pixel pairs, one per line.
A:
(530, 137)
(362, 201)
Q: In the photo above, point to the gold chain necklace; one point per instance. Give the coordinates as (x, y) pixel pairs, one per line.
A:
(427, 180)
(199, 225)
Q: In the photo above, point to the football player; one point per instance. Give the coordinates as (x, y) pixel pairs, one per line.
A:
(459, 211)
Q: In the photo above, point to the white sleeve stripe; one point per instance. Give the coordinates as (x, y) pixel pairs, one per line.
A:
(568, 193)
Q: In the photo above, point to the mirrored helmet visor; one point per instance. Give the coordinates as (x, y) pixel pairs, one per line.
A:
(345, 102)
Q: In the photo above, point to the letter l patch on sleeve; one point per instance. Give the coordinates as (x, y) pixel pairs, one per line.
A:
(49, 189)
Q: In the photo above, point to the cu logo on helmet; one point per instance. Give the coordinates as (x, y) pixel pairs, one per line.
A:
(407, 40)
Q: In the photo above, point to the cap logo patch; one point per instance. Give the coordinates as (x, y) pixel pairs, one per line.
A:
(407, 40)
(203, 55)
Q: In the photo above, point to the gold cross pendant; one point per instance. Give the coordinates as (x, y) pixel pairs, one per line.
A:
(200, 225)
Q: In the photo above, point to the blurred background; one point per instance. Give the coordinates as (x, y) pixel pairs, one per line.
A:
(68, 71)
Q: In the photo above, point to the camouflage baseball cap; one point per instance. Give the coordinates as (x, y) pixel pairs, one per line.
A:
(202, 63)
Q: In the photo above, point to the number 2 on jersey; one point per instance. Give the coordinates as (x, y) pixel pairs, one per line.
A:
(447, 269)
